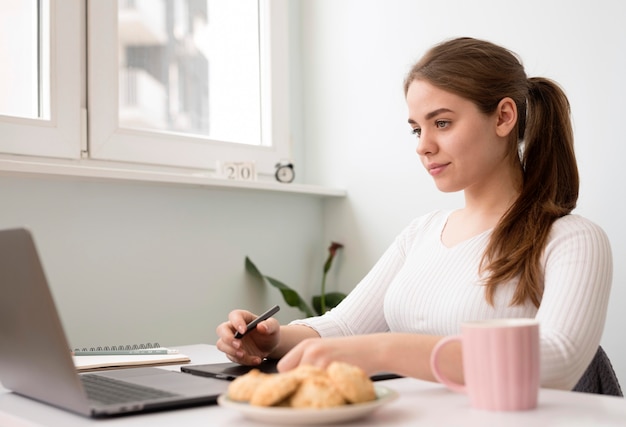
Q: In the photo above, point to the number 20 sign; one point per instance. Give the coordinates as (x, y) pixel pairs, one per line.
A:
(238, 171)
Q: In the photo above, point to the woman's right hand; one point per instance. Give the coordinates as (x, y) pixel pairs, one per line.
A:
(255, 345)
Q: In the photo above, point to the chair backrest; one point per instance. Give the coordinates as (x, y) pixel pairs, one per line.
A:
(599, 378)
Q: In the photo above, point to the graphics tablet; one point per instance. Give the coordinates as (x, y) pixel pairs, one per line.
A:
(230, 371)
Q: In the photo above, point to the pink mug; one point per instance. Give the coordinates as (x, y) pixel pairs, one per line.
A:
(500, 363)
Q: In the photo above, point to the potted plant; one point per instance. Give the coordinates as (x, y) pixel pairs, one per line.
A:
(321, 303)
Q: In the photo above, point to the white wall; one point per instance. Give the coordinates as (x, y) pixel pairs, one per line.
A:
(355, 55)
(130, 262)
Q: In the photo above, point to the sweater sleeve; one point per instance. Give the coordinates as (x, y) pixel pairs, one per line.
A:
(362, 312)
(577, 282)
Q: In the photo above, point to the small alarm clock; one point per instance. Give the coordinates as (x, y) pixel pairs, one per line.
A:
(284, 172)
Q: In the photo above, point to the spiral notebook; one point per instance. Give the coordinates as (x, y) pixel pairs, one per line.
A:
(126, 356)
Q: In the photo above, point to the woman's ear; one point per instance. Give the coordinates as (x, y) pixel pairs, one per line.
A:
(506, 116)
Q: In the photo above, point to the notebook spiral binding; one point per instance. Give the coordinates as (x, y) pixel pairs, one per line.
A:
(121, 347)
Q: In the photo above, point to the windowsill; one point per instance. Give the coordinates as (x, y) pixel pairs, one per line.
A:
(95, 170)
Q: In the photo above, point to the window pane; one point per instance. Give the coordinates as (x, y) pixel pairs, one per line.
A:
(191, 66)
(24, 75)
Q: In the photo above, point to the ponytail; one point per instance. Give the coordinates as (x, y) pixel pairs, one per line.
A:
(550, 171)
(549, 191)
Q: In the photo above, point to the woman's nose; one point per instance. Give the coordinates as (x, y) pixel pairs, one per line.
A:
(425, 145)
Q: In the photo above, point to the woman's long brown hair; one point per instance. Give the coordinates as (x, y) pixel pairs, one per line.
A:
(542, 145)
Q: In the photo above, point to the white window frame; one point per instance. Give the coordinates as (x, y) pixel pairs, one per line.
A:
(59, 136)
(109, 142)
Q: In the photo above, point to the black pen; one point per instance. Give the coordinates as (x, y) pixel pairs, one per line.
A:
(250, 326)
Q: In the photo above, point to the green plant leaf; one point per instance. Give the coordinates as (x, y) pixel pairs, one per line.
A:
(332, 300)
(291, 297)
(251, 268)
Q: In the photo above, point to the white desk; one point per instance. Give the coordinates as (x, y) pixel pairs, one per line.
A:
(420, 403)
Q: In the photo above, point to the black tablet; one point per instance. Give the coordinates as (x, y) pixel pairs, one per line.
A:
(230, 371)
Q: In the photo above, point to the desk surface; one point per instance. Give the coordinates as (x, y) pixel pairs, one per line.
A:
(420, 403)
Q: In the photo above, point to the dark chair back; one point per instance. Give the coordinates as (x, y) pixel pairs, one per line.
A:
(599, 378)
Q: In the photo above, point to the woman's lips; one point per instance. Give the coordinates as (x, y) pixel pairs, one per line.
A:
(436, 168)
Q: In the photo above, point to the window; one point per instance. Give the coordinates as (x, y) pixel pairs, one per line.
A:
(40, 57)
(171, 83)
(25, 55)
(182, 82)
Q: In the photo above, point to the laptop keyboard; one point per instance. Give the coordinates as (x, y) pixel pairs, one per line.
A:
(111, 391)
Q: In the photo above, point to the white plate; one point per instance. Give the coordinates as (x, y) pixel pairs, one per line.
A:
(282, 415)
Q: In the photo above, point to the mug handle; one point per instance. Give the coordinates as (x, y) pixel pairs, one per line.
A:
(437, 372)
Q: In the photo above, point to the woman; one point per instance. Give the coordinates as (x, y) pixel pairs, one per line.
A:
(513, 250)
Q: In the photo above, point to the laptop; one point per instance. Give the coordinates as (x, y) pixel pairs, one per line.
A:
(35, 359)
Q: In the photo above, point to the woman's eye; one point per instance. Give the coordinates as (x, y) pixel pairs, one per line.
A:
(440, 124)
(417, 132)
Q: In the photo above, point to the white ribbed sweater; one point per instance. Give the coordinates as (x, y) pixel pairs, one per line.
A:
(421, 286)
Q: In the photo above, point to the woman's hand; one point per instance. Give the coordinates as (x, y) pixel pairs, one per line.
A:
(255, 345)
(360, 350)
(406, 354)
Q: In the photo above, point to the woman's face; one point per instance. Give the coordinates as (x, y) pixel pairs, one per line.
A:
(457, 144)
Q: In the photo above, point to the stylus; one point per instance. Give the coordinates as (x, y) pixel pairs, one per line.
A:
(250, 326)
